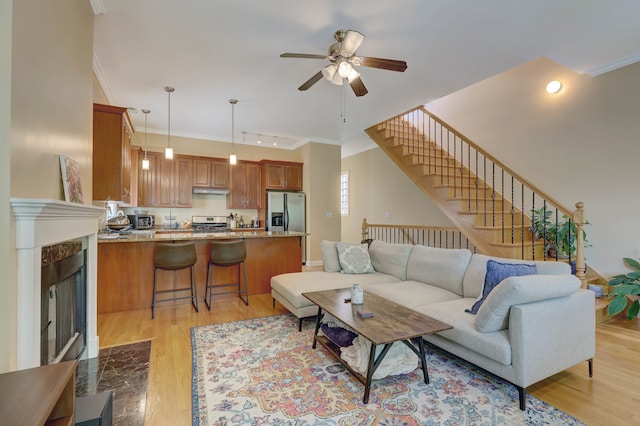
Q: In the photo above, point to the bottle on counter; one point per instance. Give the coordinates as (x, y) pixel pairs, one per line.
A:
(241, 223)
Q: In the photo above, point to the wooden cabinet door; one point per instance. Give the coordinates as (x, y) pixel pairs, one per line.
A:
(254, 200)
(111, 154)
(283, 176)
(274, 176)
(219, 174)
(147, 196)
(293, 177)
(202, 172)
(165, 182)
(237, 187)
(183, 181)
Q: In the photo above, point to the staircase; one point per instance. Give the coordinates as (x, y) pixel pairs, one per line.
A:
(489, 203)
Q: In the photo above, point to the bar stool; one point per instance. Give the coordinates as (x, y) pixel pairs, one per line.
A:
(225, 254)
(173, 257)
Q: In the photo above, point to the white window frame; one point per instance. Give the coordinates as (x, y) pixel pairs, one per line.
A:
(344, 193)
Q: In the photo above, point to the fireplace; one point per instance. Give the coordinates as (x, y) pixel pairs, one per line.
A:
(42, 223)
(63, 302)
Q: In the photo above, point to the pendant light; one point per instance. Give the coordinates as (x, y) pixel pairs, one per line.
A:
(232, 158)
(145, 161)
(168, 151)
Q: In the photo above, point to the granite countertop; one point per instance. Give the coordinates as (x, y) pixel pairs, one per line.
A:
(178, 235)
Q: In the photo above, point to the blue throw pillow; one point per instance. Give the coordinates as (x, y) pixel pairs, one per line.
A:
(496, 273)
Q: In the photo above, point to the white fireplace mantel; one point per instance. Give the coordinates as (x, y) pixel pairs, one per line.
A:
(43, 222)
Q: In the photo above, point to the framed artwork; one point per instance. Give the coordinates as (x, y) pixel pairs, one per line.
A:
(71, 179)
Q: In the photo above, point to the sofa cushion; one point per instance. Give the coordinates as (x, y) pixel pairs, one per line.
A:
(354, 259)
(477, 269)
(410, 293)
(496, 273)
(496, 346)
(390, 258)
(292, 285)
(442, 268)
(330, 261)
(493, 315)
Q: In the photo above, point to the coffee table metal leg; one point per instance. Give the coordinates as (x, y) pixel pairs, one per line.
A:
(374, 363)
(423, 360)
(318, 322)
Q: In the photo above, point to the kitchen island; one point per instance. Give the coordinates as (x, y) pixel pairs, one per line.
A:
(125, 264)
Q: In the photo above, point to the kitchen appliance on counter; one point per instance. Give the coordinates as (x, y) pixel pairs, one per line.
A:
(207, 224)
(286, 212)
(142, 221)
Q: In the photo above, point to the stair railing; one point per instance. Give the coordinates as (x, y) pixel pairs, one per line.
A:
(499, 197)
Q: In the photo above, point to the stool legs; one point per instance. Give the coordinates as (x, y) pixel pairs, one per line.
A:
(191, 288)
(241, 291)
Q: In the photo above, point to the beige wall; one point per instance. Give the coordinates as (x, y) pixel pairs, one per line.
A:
(52, 93)
(45, 110)
(190, 146)
(7, 270)
(321, 180)
(377, 186)
(582, 144)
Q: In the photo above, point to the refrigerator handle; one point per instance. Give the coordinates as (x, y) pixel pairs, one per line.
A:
(286, 213)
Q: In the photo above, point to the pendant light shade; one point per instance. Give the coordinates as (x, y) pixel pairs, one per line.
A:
(232, 158)
(168, 151)
(145, 161)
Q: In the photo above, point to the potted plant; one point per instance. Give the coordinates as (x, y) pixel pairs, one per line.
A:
(624, 285)
(559, 238)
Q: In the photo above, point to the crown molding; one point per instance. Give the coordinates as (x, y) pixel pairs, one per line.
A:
(98, 7)
(97, 69)
(614, 65)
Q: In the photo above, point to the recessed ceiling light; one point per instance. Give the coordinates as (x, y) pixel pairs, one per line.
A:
(554, 86)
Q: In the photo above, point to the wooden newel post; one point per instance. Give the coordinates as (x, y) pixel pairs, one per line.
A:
(365, 230)
(580, 220)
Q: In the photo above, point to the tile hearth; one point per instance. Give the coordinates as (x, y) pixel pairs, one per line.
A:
(124, 370)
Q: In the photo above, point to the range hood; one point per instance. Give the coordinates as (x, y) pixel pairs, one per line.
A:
(210, 191)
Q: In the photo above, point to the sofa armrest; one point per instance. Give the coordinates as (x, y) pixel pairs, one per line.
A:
(551, 335)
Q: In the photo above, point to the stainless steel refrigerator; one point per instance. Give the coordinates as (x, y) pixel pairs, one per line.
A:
(286, 212)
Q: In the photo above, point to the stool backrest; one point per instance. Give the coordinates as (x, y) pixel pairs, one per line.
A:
(225, 253)
(174, 256)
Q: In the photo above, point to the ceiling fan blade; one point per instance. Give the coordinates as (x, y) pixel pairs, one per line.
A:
(303, 55)
(358, 87)
(313, 80)
(350, 43)
(385, 64)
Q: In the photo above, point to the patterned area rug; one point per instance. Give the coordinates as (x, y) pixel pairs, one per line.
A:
(264, 372)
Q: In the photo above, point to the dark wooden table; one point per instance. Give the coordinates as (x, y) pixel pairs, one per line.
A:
(390, 323)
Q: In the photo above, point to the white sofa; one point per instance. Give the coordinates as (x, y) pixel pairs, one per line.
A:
(527, 329)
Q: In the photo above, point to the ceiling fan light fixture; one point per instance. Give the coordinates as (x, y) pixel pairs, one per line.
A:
(353, 75)
(344, 68)
(329, 71)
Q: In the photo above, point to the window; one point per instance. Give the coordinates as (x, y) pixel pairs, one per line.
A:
(344, 194)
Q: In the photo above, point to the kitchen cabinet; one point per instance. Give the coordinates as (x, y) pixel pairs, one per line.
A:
(210, 173)
(147, 194)
(112, 130)
(183, 181)
(282, 175)
(167, 183)
(244, 186)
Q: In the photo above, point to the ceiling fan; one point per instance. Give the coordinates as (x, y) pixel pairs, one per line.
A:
(342, 56)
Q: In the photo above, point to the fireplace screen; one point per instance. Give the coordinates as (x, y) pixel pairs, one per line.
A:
(63, 302)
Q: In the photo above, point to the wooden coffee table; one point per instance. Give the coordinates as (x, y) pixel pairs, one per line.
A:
(390, 323)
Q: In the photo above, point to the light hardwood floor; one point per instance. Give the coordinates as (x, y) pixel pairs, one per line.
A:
(610, 397)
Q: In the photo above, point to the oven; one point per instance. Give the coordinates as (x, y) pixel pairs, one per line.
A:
(142, 221)
(209, 224)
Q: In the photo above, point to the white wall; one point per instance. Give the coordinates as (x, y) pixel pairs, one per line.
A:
(581, 144)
